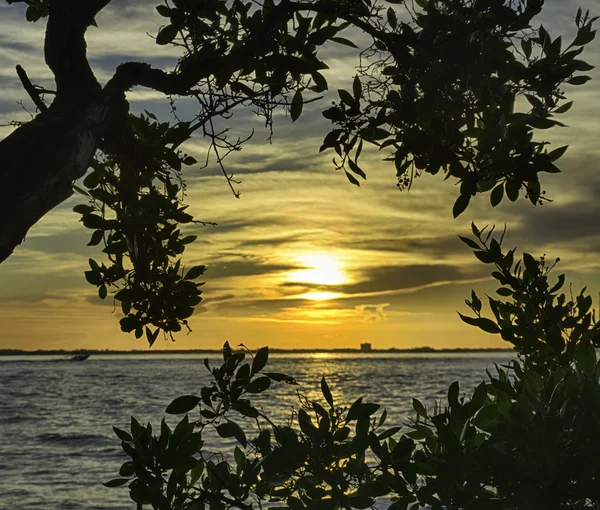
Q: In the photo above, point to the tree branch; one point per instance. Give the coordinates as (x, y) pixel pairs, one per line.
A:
(30, 89)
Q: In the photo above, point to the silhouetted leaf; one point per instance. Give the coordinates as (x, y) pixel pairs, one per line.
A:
(117, 482)
(482, 323)
(122, 435)
(326, 392)
(461, 204)
(166, 35)
(183, 404)
(344, 41)
(469, 242)
(195, 272)
(232, 429)
(497, 194)
(351, 178)
(296, 106)
(259, 385)
(512, 189)
(558, 285)
(260, 360)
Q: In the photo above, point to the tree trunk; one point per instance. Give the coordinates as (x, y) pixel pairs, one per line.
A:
(40, 160)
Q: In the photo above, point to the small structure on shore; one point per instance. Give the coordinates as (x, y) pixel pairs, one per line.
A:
(366, 347)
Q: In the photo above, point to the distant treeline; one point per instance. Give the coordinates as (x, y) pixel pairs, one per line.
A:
(19, 352)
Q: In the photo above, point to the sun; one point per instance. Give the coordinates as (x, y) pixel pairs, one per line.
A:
(321, 269)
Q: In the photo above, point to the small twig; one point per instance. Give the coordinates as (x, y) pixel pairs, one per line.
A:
(30, 89)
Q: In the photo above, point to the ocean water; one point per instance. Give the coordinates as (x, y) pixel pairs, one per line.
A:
(56, 417)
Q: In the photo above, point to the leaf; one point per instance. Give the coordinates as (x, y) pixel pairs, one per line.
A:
(469, 242)
(260, 360)
(497, 195)
(486, 415)
(296, 106)
(320, 82)
(512, 189)
(344, 41)
(326, 392)
(259, 385)
(305, 423)
(166, 35)
(122, 435)
(275, 376)
(564, 108)
(93, 277)
(188, 239)
(580, 65)
(482, 323)
(579, 80)
(453, 394)
(479, 396)
(97, 236)
(189, 161)
(102, 291)
(346, 97)
(584, 37)
(419, 408)
(117, 482)
(388, 433)
(243, 407)
(530, 264)
(485, 256)
(183, 404)
(557, 286)
(462, 202)
(392, 18)
(357, 88)
(356, 169)
(557, 153)
(163, 10)
(195, 272)
(351, 178)
(83, 209)
(232, 429)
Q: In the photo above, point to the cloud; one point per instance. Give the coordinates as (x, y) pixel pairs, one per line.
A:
(373, 313)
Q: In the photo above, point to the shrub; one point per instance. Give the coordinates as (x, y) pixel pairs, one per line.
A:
(525, 438)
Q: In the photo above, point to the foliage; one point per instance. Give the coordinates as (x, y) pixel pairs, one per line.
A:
(524, 439)
(440, 87)
(136, 216)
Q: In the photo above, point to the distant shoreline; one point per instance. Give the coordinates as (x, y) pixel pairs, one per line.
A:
(416, 350)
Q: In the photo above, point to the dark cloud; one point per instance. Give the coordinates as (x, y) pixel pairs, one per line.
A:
(247, 267)
(576, 224)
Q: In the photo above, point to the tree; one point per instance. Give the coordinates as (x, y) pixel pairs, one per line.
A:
(437, 90)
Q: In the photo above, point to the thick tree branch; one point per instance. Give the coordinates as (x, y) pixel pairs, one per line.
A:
(40, 160)
(65, 50)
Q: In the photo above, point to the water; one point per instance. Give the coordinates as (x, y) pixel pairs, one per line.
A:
(56, 417)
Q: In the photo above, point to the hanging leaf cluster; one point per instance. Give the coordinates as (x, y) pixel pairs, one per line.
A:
(137, 216)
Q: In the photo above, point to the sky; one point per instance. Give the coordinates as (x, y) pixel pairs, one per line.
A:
(303, 259)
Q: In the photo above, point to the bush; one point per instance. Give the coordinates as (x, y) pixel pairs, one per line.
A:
(524, 439)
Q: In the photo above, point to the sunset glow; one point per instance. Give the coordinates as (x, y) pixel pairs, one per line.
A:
(321, 269)
(320, 296)
(303, 259)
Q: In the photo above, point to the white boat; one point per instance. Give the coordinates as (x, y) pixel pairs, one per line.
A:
(82, 356)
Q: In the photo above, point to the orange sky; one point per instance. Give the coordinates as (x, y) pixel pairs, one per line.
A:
(303, 258)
